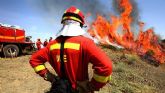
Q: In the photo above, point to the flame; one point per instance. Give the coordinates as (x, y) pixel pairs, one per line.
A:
(107, 33)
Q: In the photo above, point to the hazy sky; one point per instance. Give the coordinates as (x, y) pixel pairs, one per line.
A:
(42, 21)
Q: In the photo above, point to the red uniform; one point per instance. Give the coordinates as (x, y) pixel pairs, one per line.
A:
(45, 43)
(38, 43)
(78, 53)
(50, 40)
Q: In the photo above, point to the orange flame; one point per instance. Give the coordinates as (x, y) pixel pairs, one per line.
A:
(107, 32)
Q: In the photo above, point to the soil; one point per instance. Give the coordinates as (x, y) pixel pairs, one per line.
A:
(17, 76)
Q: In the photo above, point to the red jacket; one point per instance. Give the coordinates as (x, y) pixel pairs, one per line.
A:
(38, 44)
(45, 43)
(78, 53)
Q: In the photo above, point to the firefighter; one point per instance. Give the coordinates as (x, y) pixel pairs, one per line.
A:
(78, 52)
(50, 39)
(38, 44)
(45, 42)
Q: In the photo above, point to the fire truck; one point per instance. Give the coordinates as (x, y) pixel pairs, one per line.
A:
(13, 41)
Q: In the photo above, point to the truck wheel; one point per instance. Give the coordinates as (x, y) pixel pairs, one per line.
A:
(11, 50)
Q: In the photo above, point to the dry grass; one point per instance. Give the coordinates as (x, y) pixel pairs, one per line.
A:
(132, 75)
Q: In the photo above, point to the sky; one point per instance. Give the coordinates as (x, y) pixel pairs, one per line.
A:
(42, 19)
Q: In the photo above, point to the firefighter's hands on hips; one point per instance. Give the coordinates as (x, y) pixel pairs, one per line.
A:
(50, 77)
(85, 87)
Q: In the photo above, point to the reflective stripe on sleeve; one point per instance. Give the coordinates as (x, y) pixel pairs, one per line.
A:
(75, 46)
(39, 68)
(101, 79)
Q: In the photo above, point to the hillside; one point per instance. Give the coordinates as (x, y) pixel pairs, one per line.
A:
(130, 75)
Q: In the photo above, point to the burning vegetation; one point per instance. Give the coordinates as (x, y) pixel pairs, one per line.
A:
(120, 31)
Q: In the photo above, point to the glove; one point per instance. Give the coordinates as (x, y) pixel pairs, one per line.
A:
(85, 87)
(50, 77)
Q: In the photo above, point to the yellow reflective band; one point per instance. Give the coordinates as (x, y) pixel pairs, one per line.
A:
(102, 79)
(11, 37)
(73, 18)
(55, 46)
(20, 37)
(39, 68)
(77, 11)
(66, 45)
(72, 46)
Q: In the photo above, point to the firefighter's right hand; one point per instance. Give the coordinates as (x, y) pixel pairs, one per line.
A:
(50, 77)
(85, 87)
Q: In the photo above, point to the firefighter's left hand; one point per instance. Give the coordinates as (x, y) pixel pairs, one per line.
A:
(50, 77)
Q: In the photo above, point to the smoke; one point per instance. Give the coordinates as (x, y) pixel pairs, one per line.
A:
(134, 13)
(52, 10)
(57, 7)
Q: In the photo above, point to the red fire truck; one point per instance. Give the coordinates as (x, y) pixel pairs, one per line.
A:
(13, 41)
